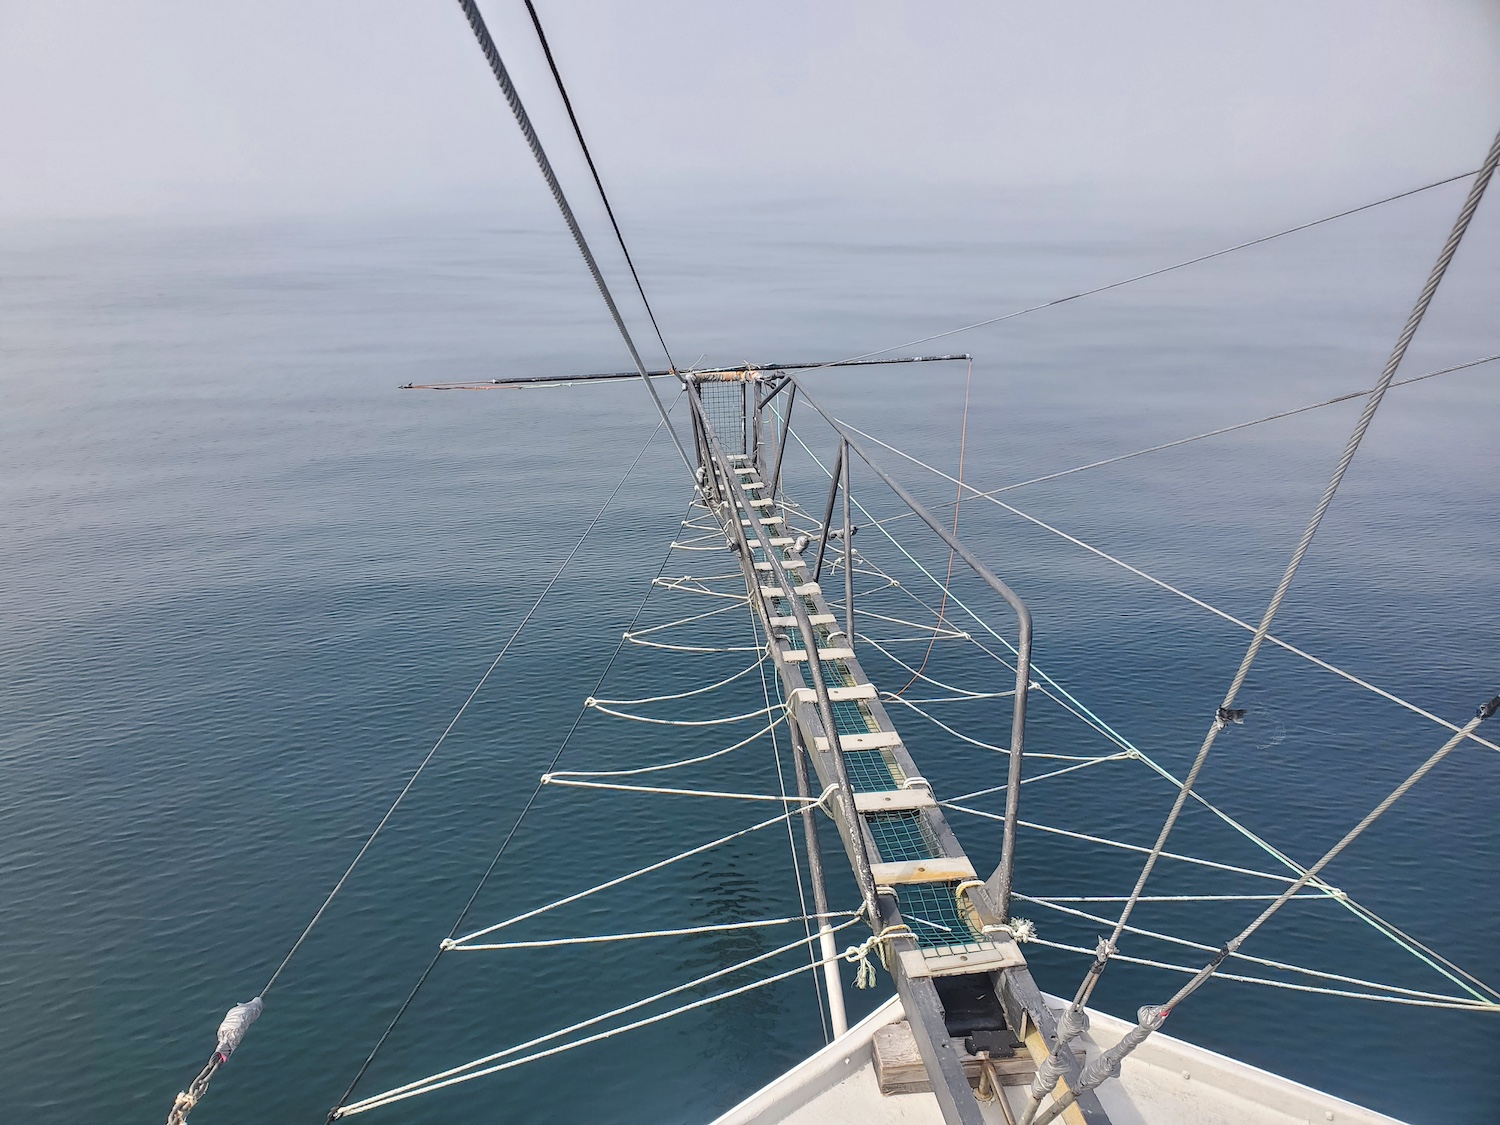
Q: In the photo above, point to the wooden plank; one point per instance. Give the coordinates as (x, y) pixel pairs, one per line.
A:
(894, 800)
(873, 740)
(899, 1068)
(943, 869)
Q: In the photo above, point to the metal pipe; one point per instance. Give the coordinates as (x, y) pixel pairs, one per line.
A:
(786, 432)
(833, 494)
(1000, 883)
(837, 1016)
(848, 558)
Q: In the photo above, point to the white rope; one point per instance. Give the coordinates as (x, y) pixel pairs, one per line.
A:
(988, 492)
(1105, 842)
(457, 1074)
(463, 707)
(1455, 1003)
(683, 621)
(935, 630)
(595, 704)
(891, 697)
(687, 648)
(1320, 896)
(1088, 758)
(552, 779)
(597, 939)
(1079, 710)
(1364, 914)
(679, 585)
(699, 850)
(1199, 602)
(1121, 757)
(769, 729)
(685, 694)
(1265, 961)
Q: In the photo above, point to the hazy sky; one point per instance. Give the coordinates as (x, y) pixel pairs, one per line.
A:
(312, 105)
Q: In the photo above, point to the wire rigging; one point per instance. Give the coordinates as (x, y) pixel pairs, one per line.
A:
(1151, 1017)
(513, 99)
(1164, 269)
(515, 827)
(1278, 416)
(562, 90)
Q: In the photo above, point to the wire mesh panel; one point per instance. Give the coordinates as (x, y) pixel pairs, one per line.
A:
(931, 910)
(853, 717)
(871, 771)
(901, 836)
(724, 403)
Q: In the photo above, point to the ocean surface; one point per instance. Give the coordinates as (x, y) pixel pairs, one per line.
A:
(248, 583)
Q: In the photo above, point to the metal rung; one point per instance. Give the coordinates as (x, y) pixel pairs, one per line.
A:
(767, 520)
(895, 800)
(763, 502)
(778, 592)
(875, 740)
(816, 619)
(836, 694)
(743, 468)
(941, 962)
(797, 654)
(943, 869)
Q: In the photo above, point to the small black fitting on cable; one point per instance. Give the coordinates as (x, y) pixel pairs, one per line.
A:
(1486, 710)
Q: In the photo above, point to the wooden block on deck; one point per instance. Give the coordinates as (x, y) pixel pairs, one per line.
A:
(899, 1069)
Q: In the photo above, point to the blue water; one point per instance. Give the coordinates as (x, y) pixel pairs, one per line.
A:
(248, 583)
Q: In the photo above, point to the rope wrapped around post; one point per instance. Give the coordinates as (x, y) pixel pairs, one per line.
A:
(864, 976)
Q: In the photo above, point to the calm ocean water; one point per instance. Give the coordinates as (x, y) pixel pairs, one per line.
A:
(248, 582)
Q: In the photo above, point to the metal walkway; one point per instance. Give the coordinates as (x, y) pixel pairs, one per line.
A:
(915, 870)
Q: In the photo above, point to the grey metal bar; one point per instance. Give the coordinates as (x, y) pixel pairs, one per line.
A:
(737, 501)
(1001, 881)
(836, 1014)
(786, 433)
(602, 376)
(848, 559)
(833, 494)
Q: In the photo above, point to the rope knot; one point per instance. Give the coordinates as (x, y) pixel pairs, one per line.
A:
(864, 976)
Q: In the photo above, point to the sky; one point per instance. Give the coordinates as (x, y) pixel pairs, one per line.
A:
(325, 106)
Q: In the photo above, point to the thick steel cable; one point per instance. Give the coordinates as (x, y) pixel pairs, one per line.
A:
(1351, 447)
(513, 99)
(562, 90)
(401, 1011)
(1151, 1017)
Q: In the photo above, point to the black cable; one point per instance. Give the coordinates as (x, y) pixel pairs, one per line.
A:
(578, 132)
(509, 836)
(513, 99)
